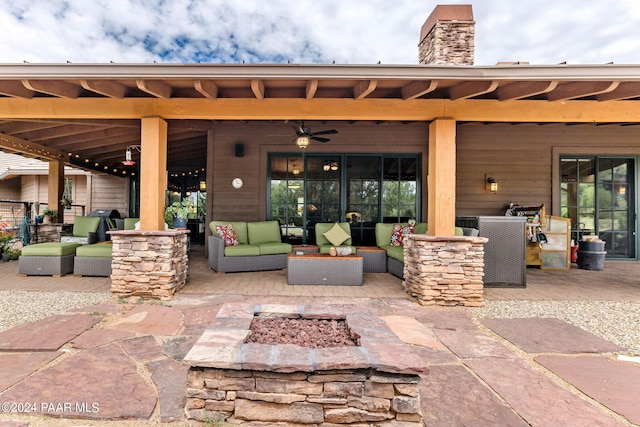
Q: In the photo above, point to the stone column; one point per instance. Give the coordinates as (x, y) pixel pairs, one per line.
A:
(149, 264)
(445, 271)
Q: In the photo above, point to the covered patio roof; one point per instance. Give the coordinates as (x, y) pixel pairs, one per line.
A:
(87, 114)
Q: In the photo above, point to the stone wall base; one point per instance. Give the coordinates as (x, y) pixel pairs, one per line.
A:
(338, 397)
(445, 271)
(149, 264)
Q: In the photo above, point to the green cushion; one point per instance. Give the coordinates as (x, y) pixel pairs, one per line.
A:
(98, 250)
(50, 249)
(240, 227)
(274, 248)
(459, 231)
(336, 235)
(323, 227)
(420, 228)
(324, 249)
(130, 223)
(83, 225)
(395, 252)
(263, 232)
(242, 250)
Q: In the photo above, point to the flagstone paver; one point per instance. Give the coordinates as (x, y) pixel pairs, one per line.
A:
(16, 366)
(536, 398)
(101, 383)
(46, 334)
(142, 349)
(549, 335)
(411, 331)
(149, 319)
(469, 344)
(451, 396)
(170, 378)
(613, 383)
(98, 337)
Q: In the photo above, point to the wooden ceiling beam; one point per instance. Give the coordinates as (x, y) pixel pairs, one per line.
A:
(311, 89)
(257, 87)
(363, 89)
(580, 90)
(206, 88)
(107, 88)
(468, 90)
(53, 87)
(625, 90)
(31, 149)
(155, 87)
(14, 88)
(416, 89)
(519, 90)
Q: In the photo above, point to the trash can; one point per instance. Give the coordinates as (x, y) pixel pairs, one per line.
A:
(591, 255)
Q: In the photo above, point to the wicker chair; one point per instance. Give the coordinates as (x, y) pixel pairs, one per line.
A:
(84, 230)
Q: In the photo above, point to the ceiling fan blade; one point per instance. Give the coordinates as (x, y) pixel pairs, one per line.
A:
(299, 130)
(325, 132)
(317, 138)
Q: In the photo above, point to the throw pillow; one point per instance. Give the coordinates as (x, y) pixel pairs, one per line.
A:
(227, 234)
(399, 233)
(336, 235)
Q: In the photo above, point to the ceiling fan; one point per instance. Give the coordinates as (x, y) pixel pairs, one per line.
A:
(304, 135)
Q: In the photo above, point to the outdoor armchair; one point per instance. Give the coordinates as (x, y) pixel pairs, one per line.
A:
(84, 230)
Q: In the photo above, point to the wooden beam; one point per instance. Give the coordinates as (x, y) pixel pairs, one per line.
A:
(363, 89)
(441, 179)
(31, 149)
(257, 87)
(53, 87)
(11, 88)
(416, 89)
(311, 89)
(625, 90)
(468, 90)
(107, 88)
(207, 88)
(55, 188)
(153, 170)
(580, 90)
(480, 110)
(155, 88)
(521, 90)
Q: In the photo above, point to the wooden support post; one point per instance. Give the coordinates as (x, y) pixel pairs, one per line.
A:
(442, 178)
(55, 185)
(153, 173)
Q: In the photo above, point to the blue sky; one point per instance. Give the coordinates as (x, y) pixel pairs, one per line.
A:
(306, 31)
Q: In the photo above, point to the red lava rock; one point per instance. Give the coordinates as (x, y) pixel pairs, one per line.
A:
(313, 333)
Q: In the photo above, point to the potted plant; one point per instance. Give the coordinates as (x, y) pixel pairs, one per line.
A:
(176, 214)
(49, 214)
(5, 243)
(36, 207)
(66, 202)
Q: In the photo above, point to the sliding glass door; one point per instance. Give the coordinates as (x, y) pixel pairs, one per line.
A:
(598, 194)
(362, 189)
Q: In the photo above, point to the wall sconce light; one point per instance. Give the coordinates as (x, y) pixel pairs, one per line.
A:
(203, 185)
(128, 161)
(491, 184)
(622, 190)
(334, 166)
(326, 167)
(302, 141)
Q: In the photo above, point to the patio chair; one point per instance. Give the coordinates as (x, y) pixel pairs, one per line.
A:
(84, 230)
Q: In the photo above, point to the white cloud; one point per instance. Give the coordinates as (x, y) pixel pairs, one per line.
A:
(306, 31)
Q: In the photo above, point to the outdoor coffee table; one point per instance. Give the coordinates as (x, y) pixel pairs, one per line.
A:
(323, 269)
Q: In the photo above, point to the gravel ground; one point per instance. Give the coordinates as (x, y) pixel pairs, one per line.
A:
(618, 322)
(17, 307)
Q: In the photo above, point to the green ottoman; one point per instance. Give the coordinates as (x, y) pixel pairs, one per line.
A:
(93, 260)
(47, 259)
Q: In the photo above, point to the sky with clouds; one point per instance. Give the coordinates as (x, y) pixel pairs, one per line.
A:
(310, 31)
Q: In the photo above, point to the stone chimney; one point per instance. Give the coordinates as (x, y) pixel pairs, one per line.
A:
(447, 36)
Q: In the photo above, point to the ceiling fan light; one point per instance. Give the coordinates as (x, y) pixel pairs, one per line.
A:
(302, 141)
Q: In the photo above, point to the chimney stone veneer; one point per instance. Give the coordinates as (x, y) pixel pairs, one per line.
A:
(447, 36)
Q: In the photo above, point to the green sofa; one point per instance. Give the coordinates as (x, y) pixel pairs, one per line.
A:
(85, 230)
(395, 254)
(260, 247)
(324, 245)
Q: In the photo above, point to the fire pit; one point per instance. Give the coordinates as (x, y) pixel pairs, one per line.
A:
(371, 376)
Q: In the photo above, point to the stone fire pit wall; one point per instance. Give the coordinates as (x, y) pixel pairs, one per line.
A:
(445, 271)
(249, 383)
(148, 264)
